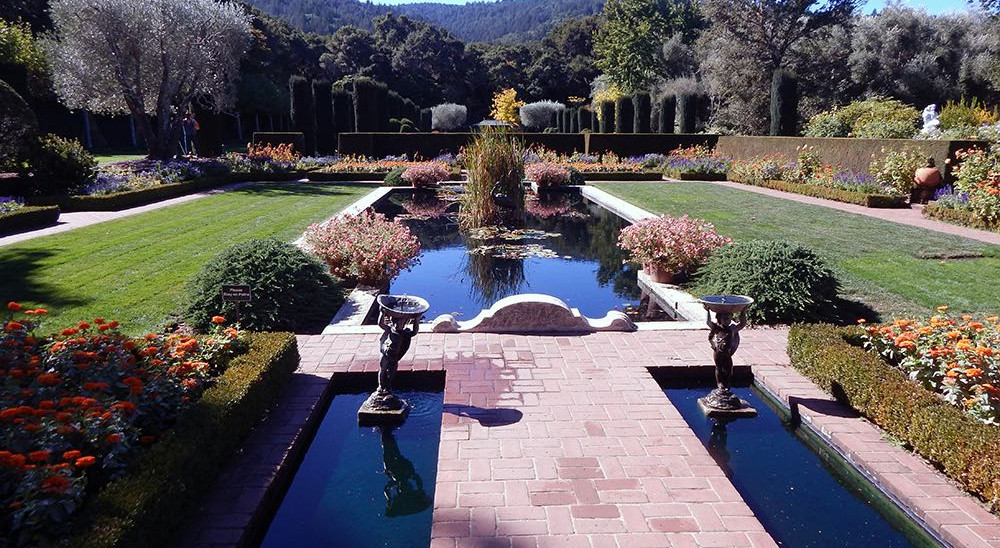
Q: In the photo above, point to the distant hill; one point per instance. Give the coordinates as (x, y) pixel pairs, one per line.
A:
(504, 20)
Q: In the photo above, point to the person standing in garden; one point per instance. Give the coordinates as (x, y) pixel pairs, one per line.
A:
(189, 130)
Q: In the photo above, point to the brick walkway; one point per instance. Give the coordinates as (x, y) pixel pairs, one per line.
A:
(599, 456)
(912, 216)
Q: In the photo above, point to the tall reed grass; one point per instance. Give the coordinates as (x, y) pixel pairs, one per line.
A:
(495, 163)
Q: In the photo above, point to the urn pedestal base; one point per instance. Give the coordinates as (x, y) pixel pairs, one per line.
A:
(722, 403)
(381, 409)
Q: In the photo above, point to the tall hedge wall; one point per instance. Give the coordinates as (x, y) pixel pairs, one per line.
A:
(624, 115)
(303, 112)
(326, 130)
(642, 106)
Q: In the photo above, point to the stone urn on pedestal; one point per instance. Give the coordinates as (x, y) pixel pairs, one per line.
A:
(399, 318)
(724, 337)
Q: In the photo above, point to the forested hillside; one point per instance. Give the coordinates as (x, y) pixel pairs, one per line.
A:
(505, 20)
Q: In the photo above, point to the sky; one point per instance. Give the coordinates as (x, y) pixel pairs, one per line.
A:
(932, 6)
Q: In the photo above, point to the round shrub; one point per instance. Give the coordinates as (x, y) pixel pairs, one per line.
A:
(874, 118)
(394, 177)
(287, 284)
(789, 282)
(366, 248)
(547, 175)
(827, 124)
(538, 115)
(58, 166)
(448, 116)
(425, 175)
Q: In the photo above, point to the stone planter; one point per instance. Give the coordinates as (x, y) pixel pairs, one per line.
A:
(659, 274)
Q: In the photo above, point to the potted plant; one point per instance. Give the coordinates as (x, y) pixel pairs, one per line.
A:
(668, 248)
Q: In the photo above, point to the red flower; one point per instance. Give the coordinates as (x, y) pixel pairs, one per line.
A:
(14, 306)
(55, 484)
(69, 331)
(13, 326)
(113, 438)
(218, 319)
(85, 462)
(38, 456)
(72, 455)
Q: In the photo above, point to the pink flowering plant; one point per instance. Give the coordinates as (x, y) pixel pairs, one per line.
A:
(367, 249)
(676, 244)
(546, 174)
(427, 174)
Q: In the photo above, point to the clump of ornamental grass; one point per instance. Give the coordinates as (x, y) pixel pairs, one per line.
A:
(495, 163)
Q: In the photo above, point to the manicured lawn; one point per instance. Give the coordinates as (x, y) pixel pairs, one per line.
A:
(892, 268)
(111, 158)
(135, 269)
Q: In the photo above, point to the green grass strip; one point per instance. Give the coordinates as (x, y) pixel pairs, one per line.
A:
(893, 269)
(135, 269)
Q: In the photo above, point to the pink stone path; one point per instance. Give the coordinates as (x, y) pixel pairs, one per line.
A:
(599, 458)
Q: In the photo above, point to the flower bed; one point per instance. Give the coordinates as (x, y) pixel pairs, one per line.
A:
(956, 357)
(547, 175)
(696, 163)
(808, 176)
(28, 217)
(975, 198)
(81, 404)
(967, 450)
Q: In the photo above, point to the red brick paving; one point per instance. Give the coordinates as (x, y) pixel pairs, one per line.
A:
(599, 457)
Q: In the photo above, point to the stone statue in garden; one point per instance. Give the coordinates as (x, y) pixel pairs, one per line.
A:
(931, 121)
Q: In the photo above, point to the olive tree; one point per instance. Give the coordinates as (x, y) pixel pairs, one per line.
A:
(150, 58)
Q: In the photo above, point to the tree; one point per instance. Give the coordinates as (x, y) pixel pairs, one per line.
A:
(150, 58)
(353, 52)
(628, 44)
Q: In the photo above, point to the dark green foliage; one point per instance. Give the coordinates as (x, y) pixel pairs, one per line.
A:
(574, 121)
(28, 217)
(788, 282)
(554, 124)
(665, 116)
(343, 111)
(687, 112)
(395, 177)
(607, 117)
(642, 104)
(566, 124)
(369, 108)
(131, 198)
(426, 118)
(303, 112)
(164, 485)
(595, 124)
(624, 115)
(396, 105)
(784, 103)
(966, 450)
(57, 165)
(18, 127)
(583, 119)
(575, 177)
(285, 281)
(326, 130)
(959, 217)
(208, 140)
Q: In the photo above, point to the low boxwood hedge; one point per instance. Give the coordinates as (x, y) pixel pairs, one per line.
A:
(621, 175)
(966, 450)
(28, 217)
(959, 217)
(680, 175)
(835, 194)
(141, 508)
(133, 198)
(338, 176)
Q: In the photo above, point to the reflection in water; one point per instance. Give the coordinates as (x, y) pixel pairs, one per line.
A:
(587, 274)
(404, 492)
(717, 441)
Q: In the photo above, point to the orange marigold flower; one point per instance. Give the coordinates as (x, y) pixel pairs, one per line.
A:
(85, 462)
(149, 351)
(973, 372)
(943, 308)
(993, 319)
(55, 484)
(218, 319)
(984, 351)
(964, 345)
(72, 455)
(38, 456)
(953, 335)
(151, 336)
(908, 345)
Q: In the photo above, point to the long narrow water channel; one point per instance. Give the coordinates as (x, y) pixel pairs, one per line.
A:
(805, 496)
(364, 486)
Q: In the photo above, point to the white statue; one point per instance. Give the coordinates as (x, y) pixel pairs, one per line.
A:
(931, 122)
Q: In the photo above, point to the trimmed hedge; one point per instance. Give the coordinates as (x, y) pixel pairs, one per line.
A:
(966, 450)
(326, 129)
(624, 115)
(835, 194)
(682, 176)
(131, 198)
(303, 112)
(622, 175)
(27, 218)
(163, 485)
(346, 176)
(958, 217)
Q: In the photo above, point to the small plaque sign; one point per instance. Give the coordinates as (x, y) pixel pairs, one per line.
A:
(236, 293)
